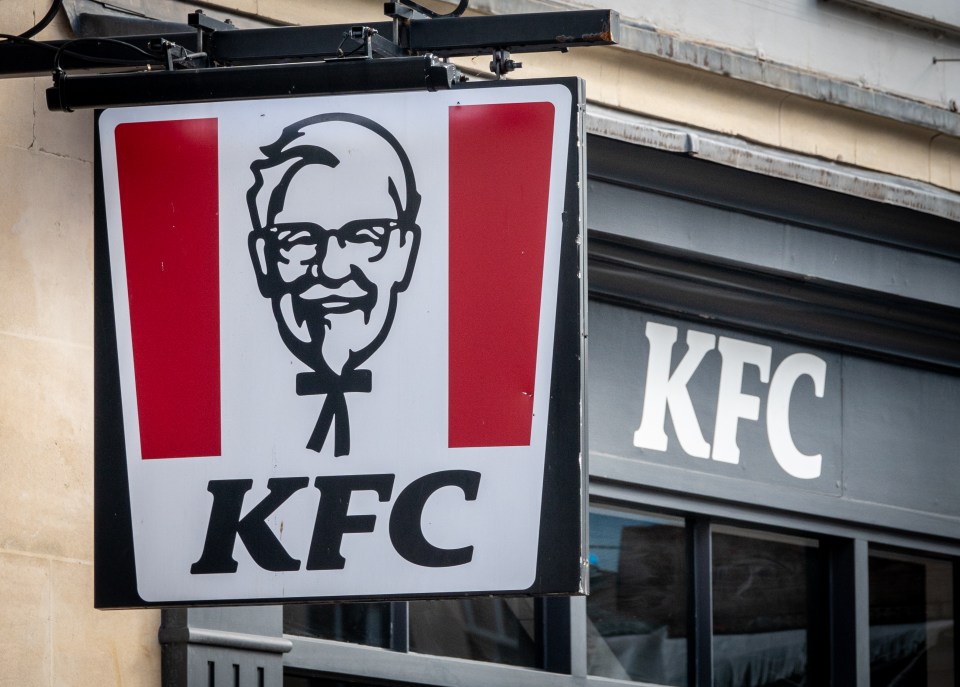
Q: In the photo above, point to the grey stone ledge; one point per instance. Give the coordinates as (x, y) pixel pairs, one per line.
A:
(741, 154)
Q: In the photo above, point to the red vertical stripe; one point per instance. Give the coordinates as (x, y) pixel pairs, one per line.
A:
(169, 205)
(499, 187)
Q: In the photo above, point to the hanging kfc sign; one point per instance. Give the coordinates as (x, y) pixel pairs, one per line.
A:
(339, 347)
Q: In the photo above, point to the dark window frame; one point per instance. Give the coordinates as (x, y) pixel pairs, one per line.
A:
(838, 632)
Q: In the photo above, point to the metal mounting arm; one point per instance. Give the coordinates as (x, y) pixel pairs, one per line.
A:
(443, 37)
(217, 61)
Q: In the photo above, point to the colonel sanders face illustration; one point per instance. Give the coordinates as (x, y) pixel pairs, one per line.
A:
(334, 241)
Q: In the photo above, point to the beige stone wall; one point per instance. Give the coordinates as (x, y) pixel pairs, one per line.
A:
(50, 634)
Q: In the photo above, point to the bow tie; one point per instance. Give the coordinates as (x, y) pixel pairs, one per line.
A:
(334, 411)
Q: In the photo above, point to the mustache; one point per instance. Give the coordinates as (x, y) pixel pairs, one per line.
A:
(315, 298)
(348, 286)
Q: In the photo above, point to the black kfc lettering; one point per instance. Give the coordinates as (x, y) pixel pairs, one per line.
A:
(406, 531)
(332, 520)
(226, 524)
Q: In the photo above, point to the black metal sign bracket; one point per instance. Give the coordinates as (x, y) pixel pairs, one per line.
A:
(212, 59)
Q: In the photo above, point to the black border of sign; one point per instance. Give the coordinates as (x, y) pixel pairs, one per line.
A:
(561, 559)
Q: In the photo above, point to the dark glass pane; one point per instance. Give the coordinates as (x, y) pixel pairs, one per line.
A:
(763, 590)
(637, 608)
(496, 630)
(911, 621)
(360, 623)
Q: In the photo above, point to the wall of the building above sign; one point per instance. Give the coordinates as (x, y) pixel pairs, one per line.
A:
(842, 41)
(870, 96)
(676, 93)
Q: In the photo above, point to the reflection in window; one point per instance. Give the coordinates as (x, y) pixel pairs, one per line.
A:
(637, 608)
(762, 591)
(911, 621)
(497, 630)
(359, 623)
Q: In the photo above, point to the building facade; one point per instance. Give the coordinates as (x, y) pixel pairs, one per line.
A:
(773, 207)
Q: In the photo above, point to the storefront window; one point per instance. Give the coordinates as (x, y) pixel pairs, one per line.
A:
(911, 620)
(496, 630)
(481, 629)
(637, 608)
(763, 593)
(359, 623)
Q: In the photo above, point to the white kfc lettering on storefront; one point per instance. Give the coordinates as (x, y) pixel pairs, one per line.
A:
(666, 389)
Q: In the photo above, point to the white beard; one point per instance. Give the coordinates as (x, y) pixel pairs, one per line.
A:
(345, 334)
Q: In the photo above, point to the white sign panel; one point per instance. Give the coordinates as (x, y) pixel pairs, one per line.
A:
(340, 366)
